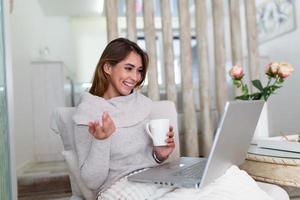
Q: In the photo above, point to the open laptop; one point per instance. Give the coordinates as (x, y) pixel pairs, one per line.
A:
(231, 143)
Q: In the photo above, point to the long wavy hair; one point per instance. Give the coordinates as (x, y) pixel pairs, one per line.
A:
(116, 51)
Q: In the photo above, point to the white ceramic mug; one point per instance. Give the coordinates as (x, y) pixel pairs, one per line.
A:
(158, 129)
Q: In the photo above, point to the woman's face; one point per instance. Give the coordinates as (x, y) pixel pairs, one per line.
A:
(123, 76)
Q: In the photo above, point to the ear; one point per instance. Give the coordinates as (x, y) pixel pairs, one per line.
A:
(107, 68)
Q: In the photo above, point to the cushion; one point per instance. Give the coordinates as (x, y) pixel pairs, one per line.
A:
(276, 192)
(62, 124)
(79, 188)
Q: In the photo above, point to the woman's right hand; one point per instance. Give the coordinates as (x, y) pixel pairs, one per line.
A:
(104, 131)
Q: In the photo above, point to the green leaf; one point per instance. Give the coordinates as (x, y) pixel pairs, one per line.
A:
(242, 97)
(256, 83)
(280, 80)
(266, 93)
(255, 96)
(276, 86)
(245, 89)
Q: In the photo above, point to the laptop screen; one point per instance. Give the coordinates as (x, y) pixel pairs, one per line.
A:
(232, 138)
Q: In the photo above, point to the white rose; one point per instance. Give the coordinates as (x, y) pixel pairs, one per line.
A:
(285, 69)
(236, 72)
(272, 68)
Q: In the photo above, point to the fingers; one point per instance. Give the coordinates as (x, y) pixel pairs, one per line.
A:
(170, 138)
(108, 124)
(170, 134)
(105, 116)
(170, 142)
(92, 127)
(104, 129)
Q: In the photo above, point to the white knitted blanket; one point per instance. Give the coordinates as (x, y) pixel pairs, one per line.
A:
(235, 184)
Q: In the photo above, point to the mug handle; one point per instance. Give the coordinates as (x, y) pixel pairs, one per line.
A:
(148, 130)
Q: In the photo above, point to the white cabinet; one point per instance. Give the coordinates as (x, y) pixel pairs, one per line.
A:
(47, 93)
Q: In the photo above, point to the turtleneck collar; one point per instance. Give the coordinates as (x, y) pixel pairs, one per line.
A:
(124, 110)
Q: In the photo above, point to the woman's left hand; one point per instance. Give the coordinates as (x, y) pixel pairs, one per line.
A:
(163, 152)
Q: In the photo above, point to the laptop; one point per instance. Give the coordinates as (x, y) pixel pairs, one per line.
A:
(230, 146)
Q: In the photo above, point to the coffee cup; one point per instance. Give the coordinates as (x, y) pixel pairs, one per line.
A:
(157, 130)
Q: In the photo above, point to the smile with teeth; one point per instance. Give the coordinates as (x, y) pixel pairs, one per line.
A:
(129, 84)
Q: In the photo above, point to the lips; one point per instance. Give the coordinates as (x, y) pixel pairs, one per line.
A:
(129, 84)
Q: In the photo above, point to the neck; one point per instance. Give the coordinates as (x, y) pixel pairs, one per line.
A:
(107, 95)
(110, 93)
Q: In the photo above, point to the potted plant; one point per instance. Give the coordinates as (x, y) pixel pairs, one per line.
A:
(276, 73)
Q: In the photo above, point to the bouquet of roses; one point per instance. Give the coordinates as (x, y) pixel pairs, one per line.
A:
(276, 73)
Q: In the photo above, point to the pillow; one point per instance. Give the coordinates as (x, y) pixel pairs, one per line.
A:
(235, 184)
(276, 192)
(79, 188)
(62, 124)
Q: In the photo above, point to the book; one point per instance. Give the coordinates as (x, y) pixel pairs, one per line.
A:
(254, 149)
(286, 143)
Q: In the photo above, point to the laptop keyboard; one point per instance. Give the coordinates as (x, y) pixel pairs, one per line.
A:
(193, 171)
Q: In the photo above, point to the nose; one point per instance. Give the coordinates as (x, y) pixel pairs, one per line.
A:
(136, 76)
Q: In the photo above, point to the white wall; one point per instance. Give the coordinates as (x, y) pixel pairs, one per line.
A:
(31, 31)
(284, 106)
(89, 38)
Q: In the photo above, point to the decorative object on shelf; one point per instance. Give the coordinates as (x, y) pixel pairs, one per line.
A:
(44, 53)
(276, 73)
(274, 18)
(262, 127)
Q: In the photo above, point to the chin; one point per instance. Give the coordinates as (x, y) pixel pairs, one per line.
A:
(126, 93)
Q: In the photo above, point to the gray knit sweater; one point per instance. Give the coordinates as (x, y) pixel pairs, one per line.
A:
(129, 148)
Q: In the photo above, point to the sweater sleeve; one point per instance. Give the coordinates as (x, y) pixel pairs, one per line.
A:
(93, 157)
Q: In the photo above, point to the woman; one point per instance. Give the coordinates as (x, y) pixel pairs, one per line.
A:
(109, 134)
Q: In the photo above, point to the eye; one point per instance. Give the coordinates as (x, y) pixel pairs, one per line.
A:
(141, 70)
(127, 68)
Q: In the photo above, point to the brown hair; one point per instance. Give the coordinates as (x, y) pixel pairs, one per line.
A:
(116, 51)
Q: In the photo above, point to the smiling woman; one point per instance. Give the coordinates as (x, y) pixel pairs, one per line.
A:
(121, 68)
(124, 76)
(110, 137)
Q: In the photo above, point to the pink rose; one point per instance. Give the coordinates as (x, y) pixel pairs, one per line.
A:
(285, 69)
(236, 72)
(272, 68)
